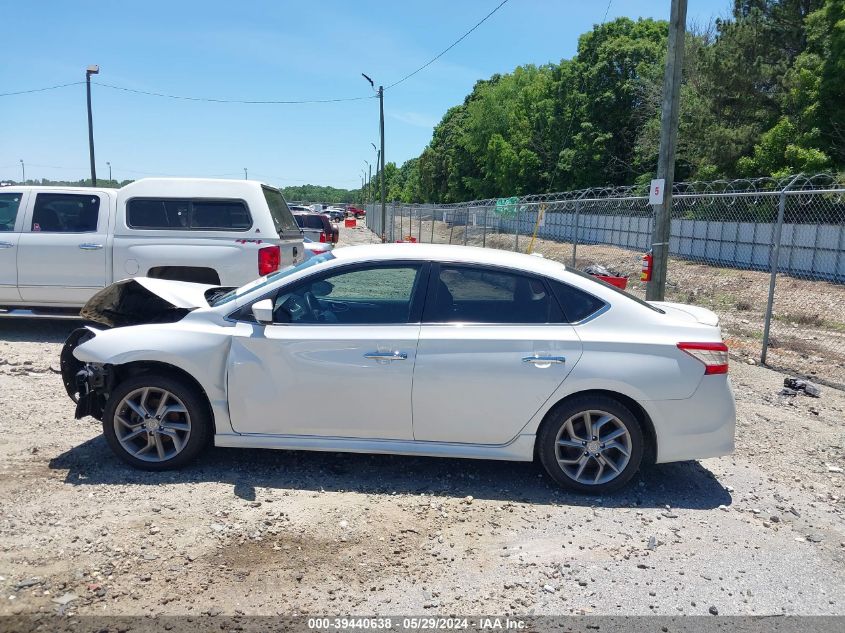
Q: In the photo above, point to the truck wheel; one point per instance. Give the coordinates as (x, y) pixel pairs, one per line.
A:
(155, 422)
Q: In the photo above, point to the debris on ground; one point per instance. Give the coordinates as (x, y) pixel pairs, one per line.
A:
(797, 384)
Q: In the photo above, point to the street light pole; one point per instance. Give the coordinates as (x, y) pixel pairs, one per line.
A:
(91, 70)
(23, 172)
(109, 164)
(381, 166)
(656, 288)
(245, 174)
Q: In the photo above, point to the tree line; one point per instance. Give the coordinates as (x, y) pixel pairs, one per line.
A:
(763, 94)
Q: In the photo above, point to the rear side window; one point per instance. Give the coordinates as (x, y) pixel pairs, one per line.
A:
(576, 304)
(279, 211)
(65, 213)
(9, 204)
(181, 215)
(480, 295)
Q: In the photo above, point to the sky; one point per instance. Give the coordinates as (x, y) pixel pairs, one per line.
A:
(263, 50)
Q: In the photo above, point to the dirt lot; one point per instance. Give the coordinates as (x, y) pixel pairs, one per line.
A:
(263, 532)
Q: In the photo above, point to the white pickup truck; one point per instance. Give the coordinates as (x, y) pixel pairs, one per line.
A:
(60, 245)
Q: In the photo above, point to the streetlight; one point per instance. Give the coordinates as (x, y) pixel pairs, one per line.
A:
(381, 134)
(369, 179)
(23, 172)
(245, 174)
(378, 155)
(91, 70)
(109, 164)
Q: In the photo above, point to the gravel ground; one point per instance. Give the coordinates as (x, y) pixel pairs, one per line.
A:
(271, 532)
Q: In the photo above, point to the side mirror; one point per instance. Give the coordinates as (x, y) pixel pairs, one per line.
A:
(263, 311)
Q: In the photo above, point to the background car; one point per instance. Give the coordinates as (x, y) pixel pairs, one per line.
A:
(356, 212)
(312, 248)
(435, 350)
(336, 214)
(317, 227)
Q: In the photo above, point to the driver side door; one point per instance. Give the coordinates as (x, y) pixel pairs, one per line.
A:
(338, 359)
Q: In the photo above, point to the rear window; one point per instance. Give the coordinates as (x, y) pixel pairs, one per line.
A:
(9, 203)
(279, 211)
(182, 215)
(310, 221)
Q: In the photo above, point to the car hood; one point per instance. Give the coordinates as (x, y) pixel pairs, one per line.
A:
(688, 312)
(144, 300)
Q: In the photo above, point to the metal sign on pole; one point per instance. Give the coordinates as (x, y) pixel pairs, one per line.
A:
(662, 200)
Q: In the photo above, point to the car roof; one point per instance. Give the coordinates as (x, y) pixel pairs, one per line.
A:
(449, 253)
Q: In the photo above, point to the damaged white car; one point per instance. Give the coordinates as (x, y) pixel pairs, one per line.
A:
(432, 350)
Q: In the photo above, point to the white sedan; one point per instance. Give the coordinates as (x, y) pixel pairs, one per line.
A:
(447, 351)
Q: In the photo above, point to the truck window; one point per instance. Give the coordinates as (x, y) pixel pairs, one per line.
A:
(282, 217)
(9, 203)
(65, 213)
(181, 214)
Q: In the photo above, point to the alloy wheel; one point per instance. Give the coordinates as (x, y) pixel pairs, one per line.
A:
(593, 447)
(152, 424)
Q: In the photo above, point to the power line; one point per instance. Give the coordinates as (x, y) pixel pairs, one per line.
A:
(241, 101)
(606, 11)
(24, 92)
(450, 47)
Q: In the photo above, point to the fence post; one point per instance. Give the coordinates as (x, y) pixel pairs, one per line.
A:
(773, 277)
(575, 232)
(518, 213)
(433, 214)
(484, 229)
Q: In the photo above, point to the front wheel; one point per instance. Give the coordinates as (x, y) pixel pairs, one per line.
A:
(591, 444)
(156, 422)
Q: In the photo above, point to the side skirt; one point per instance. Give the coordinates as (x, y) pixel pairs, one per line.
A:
(520, 449)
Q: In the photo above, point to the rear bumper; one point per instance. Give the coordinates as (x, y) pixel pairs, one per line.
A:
(701, 426)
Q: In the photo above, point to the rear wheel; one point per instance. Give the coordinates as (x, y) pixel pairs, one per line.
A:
(156, 422)
(591, 444)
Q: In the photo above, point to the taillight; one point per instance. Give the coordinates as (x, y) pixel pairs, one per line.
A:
(322, 236)
(269, 260)
(714, 356)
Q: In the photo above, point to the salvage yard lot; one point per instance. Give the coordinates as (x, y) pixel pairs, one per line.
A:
(264, 532)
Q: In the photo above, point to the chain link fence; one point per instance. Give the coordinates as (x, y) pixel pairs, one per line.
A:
(767, 255)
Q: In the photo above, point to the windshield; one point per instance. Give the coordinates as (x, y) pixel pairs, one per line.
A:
(268, 279)
(282, 217)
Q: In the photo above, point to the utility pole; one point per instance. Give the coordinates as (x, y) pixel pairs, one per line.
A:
(23, 172)
(370, 184)
(91, 70)
(381, 180)
(656, 288)
(245, 174)
(381, 166)
(109, 164)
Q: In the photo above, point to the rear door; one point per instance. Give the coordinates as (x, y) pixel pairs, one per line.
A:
(493, 348)
(12, 208)
(63, 247)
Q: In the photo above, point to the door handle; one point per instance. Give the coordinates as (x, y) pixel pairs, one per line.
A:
(90, 247)
(386, 355)
(544, 360)
(6, 245)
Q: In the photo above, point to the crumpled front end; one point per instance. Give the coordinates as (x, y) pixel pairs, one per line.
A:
(87, 384)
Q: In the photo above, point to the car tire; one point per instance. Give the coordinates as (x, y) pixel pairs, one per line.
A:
(598, 462)
(169, 434)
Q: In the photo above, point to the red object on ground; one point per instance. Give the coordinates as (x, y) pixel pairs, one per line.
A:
(350, 223)
(619, 282)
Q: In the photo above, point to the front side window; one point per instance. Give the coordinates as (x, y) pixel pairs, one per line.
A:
(9, 204)
(465, 294)
(364, 296)
(181, 214)
(65, 213)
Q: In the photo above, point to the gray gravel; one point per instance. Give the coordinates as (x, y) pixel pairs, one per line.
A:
(264, 532)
